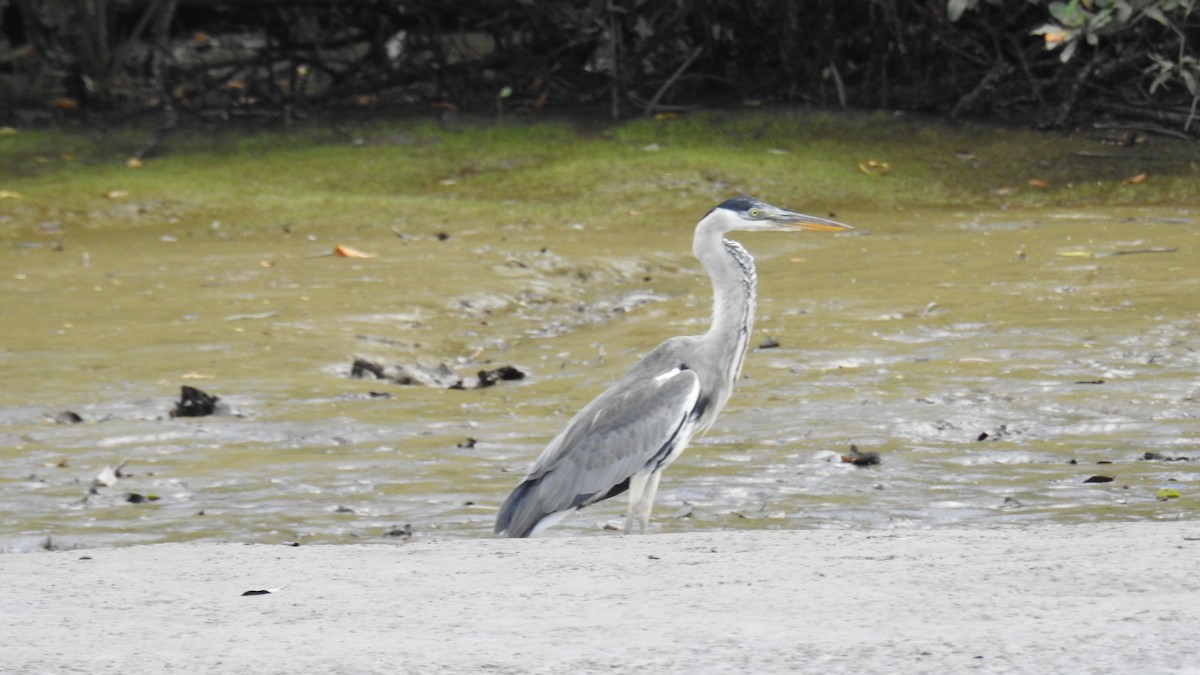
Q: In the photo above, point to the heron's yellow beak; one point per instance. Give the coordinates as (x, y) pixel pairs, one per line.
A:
(822, 227)
(800, 221)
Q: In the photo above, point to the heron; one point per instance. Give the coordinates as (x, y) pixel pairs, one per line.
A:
(627, 435)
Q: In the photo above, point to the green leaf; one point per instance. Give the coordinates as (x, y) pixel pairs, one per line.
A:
(1189, 81)
(1156, 14)
(1069, 14)
(1068, 51)
(955, 8)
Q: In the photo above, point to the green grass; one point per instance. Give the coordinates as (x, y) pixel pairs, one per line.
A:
(422, 175)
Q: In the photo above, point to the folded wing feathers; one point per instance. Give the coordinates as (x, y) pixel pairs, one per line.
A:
(615, 436)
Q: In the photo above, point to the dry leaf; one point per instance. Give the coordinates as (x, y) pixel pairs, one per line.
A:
(665, 117)
(66, 103)
(1134, 180)
(1038, 184)
(133, 163)
(7, 131)
(347, 252)
(1075, 254)
(115, 194)
(874, 167)
(9, 194)
(197, 376)
(1054, 37)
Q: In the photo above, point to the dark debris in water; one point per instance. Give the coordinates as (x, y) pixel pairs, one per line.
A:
(362, 367)
(996, 434)
(858, 458)
(1099, 479)
(194, 403)
(486, 378)
(405, 532)
(66, 417)
(438, 377)
(768, 343)
(1154, 456)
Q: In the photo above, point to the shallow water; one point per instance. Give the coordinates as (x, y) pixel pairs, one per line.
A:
(1068, 337)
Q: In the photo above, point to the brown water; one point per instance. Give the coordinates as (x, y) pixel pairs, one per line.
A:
(1069, 337)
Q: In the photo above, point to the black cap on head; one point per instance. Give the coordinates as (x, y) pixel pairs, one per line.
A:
(739, 204)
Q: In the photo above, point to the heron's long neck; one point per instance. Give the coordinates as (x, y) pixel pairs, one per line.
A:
(734, 283)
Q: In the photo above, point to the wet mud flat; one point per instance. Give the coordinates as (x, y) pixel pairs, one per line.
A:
(995, 367)
(1009, 354)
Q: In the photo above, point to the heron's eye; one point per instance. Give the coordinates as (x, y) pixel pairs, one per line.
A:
(754, 213)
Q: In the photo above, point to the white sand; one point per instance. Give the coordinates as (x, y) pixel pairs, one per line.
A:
(1121, 598)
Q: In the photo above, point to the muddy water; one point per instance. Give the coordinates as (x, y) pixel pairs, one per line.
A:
(1066, 340)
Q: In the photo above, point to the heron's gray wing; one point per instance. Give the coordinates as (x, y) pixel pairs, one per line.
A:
(634, 423)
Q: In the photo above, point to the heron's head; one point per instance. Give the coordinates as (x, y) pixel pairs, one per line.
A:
(747, 213)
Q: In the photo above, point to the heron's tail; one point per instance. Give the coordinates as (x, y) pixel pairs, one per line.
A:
(517, 518)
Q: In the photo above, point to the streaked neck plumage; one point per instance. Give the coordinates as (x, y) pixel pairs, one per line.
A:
(734, 283)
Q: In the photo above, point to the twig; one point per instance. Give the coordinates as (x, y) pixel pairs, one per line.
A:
(838, 84)
(650, 107)
(1136, 251)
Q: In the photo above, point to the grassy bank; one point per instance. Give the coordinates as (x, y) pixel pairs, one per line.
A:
(422, 175)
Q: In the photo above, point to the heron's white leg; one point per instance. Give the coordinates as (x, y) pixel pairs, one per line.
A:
(637, 488)
(644, 504)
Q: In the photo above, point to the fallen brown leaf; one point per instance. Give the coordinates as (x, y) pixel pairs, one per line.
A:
(874, 167)
(1134, 180)
(347, 252)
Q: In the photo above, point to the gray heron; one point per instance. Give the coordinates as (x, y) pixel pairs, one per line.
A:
(626, 436)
